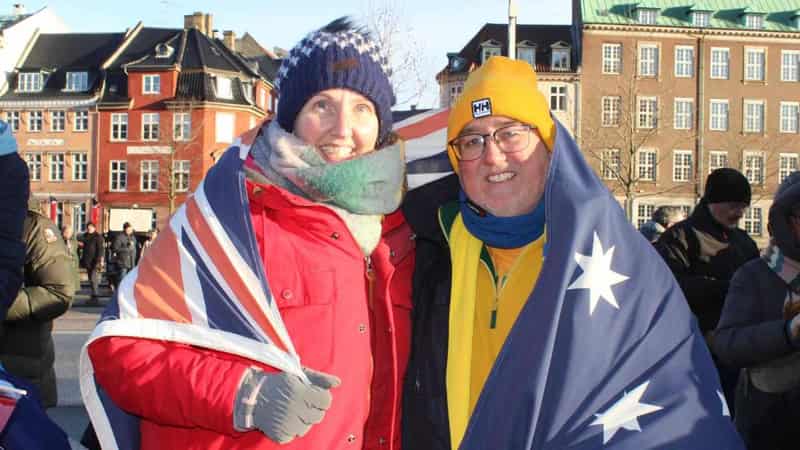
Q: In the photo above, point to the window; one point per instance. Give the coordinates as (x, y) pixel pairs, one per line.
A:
(224, 126)
(224, 89)
(753, 116)
(648, 60)
(59, 215)
(648, 108)
(683, 113)
(560, 59)
(29, 82)
(180, 175)
(57, 120)
(719, 115)
(80, 166)
(77, 81)
(610, 164)
(720, 63)
(149, 176)
(790, 60)
(753, 167)
(754, 21)
(754, 64)
(119, 127)
(787, 165)
(182, 124)
(558, 98)
(79, 217)
(34, 161)
(527, 54)
(455, 91)
(684, 61)
(150, 126)
(611, 111)
(119, 176)
(753, 220)
(682, 165)
(151, 84)
(262, 99)
(12, 117)
(56, 167)
(489, 51)
(717, 160)
(643, 213)
(81, 121)
(648, 16)
(647, 164)
(612, 58)
(701, 18)
(35, 121)
(789, 116)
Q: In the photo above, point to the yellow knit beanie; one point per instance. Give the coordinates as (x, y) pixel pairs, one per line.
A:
(501, 87)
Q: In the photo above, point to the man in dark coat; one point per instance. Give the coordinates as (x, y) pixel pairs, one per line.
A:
(124, 252)
(92, 259)
(14, 191)
(705, 250)
(27, 349)
(760, 331)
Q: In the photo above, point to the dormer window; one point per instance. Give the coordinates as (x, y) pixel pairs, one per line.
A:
(489, 49)
(247, 88)
(77, 81)
(797, 21)
(527, 52)
(560, 57)
(29, 82)
(754, 21)
(701, 18)
(647, 16)
(163, 51)
(151, 84)
(224, 90)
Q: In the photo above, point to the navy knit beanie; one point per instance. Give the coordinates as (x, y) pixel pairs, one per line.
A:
(339, 55)
(727, 185)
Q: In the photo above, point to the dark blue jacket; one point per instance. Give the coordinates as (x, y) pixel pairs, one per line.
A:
(14, 192)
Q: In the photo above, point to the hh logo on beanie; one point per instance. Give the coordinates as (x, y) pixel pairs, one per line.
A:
(481, 108)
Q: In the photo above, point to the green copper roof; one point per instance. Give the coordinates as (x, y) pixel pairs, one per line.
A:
(779, 15)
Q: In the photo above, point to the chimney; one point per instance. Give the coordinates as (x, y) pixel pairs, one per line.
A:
(18, 9)
(196, 21)
(229, 39)
(209, 22)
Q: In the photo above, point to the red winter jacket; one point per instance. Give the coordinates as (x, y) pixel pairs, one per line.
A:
(343, 317)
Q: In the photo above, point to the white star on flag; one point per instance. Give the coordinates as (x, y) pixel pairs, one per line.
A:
(725, 411)
(597, 275)
(624, 413)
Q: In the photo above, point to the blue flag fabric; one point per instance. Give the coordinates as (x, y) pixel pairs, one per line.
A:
(605, 354)
(29, 427)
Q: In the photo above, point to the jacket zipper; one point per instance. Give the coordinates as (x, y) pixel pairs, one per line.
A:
(370, 274)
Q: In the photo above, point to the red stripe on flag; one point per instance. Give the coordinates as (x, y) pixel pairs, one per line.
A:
(425, 126)
(228, 271)
(7, 406)
(159, 286)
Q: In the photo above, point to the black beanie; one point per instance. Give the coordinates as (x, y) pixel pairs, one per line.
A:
(727, 185)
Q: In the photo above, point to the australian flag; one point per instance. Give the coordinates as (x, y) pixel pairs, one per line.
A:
(605, 354)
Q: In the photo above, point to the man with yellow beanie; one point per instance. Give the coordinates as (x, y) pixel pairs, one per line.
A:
(538, 321)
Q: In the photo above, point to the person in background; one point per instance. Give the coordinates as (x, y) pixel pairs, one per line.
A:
(663, 218)
(706, 249)
(72, 250)
(123, 251)
(151, 238)
(92, 258)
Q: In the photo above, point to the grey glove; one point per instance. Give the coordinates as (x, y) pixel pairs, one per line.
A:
(281, 405)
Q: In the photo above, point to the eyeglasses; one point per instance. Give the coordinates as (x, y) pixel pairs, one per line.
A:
(510, 139)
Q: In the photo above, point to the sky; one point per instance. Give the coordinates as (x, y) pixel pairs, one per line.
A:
(438, 26)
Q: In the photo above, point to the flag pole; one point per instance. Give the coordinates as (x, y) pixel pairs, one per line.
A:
(512, 29)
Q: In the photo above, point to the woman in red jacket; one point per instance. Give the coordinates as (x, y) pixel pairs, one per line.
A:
(322, 184)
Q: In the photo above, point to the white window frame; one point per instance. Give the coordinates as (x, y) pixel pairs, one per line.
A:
(151, 84)
(558, 93)
(80, 120)
(181, 175)
(715, 117)
(560, 59)
(652, 123)
(647, 164)
(80, 166)
(612, 58)
(182, 126)
(754, 21)
(148, 175)
(684, 68)
(57, 164)
(790, 65)
(118, 174)
(753, 221)
(58, 120)
(610, 163)
(223, 87)
(119, 127)
(35, 121)
(651, 63)
(59, 214)
(151, 126)
(13, 118)
(787, 163)
(487, 51)
(644, 211)
(34, 161)
(701, 18)
(681, 172)
(790, 117)
(79, 217)
(527, 53)
(756, 69)
(683, 120)
(224, 127)
(717, 159)
(647, 16)
(77, 82)
(611, 110)
(753, 165)
(30, 82)
(720, 67)
(748, 121)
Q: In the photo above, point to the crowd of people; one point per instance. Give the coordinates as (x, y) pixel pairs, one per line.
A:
(301, 298)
